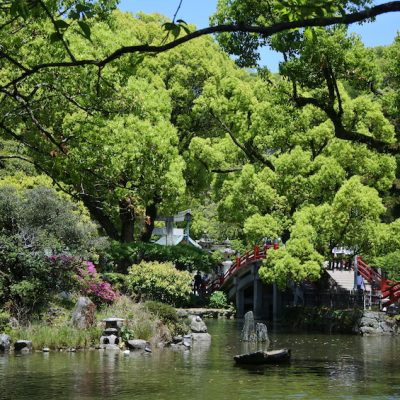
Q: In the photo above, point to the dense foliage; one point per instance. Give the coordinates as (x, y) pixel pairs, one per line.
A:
(161, 282)
(309, 155)
(184, 257)
(218, 299)
(44, 236)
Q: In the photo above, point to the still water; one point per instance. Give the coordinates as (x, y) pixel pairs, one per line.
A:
(322, 367)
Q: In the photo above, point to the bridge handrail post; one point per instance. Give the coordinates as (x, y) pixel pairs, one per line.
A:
(238, 260)
(256, 251)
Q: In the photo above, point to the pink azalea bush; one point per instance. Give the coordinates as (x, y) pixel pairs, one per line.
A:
(93, 286)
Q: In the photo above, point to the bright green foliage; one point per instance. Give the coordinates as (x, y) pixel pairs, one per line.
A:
(184, 257)
(78, 12)
(390, 264)
(218, 299)
(264, 13)
(119, 141)
(296, 262)
(266, 155)
(259, 226)
(350, 220)
(386, 253)
(161, 282)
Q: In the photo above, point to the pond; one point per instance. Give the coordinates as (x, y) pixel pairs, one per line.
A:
(322, 367)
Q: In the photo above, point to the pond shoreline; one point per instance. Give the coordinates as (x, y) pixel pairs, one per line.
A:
(349, 321)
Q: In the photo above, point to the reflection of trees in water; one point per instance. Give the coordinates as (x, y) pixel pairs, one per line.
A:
(323, 366)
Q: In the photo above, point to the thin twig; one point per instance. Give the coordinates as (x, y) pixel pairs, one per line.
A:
(177, 10)
(49, 14)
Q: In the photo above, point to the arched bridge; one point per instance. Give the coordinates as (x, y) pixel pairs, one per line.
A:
(243, 285)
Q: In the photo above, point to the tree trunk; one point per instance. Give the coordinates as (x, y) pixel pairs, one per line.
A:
(100, 216)
(127, 217)
(151, 214)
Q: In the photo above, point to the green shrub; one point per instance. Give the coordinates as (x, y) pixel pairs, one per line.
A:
(29, 279)
(184, 257)
(4, 321)
(218, 299)
(161, 282)
(165, 312)
(127, 333)
(118, 281)
(43, 237)
(168, 316)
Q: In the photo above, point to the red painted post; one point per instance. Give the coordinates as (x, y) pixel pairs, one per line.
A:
(256, 251)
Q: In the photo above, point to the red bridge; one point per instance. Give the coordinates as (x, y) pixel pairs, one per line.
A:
(242, 284)
(241, 263)
(390, 290)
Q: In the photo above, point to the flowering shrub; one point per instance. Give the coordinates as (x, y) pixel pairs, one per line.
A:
(93, 286)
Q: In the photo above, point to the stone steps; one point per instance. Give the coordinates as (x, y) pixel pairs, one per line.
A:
(345, 279)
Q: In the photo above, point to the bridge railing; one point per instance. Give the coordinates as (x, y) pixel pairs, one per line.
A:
(258, 253)
(390, 290)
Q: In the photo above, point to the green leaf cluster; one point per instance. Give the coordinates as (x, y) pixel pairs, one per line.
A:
(161, 282)
(184, 257)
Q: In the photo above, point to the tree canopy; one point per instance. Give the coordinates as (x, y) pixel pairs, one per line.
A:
(309, 155)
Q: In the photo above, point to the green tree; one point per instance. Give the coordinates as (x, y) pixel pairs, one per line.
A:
(43, 237)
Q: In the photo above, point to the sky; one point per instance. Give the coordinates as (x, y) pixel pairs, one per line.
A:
(380, 32)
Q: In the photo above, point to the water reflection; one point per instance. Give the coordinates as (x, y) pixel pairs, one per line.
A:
(322, 367)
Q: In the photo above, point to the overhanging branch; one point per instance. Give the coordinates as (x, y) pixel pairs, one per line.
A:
(265, 31)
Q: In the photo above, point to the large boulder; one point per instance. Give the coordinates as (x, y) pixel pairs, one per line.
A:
(197, 325)
(248, 331)
(84, 313)
(262, 333)
(137, 344)
(201, 337)
(5, 343)
(23, 345)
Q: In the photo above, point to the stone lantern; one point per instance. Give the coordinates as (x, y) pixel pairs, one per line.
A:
(111, 336)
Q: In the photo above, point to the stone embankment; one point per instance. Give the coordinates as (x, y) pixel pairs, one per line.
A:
(206, 312)
(350, 321)
(377, 323)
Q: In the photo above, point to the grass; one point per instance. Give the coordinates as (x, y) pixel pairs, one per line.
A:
(138, 320)
(57, 337)
(141, 322)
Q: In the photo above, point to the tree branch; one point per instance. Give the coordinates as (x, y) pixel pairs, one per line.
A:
(177, 10)
(250, 153)
(3, 54)
(53, 21)
(266, 31)
(345, 134)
